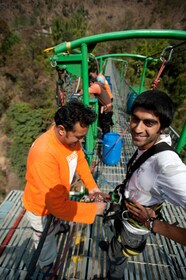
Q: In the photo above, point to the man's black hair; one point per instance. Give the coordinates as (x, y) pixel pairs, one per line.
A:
(159, 103)
(72, 112)
(91, 79)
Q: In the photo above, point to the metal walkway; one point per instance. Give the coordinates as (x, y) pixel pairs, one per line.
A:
(79, 256)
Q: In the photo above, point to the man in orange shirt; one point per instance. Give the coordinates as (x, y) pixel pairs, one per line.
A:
(52, 161)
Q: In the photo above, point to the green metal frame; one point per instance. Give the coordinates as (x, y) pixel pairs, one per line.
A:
(75, 55)
(182, 140)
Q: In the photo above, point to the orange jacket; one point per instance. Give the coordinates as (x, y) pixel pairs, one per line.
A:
(50, 169)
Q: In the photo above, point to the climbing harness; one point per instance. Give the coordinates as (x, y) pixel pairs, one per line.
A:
(118, 212)
(117, 196)
(129, 251)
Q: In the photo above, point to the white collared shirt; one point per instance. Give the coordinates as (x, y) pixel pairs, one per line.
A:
(161, 177)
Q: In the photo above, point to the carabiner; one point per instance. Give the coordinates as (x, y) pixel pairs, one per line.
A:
(163, 52)
(125, 215)
(53, 63)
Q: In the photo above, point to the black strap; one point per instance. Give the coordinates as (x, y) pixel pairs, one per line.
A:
(160, 147)
(35, 257)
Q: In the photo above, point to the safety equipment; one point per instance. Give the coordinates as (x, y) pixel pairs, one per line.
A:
(117, 196)
(96, 197)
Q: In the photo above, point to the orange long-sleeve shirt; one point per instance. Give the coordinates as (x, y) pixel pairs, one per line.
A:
(50, 169)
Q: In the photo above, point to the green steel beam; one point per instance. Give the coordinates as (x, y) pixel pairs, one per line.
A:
(87, 44)
(72, 62)
(137, 56)
(85, 73)
(88, 137)
(143, 75)
(119, 35)
(182, 140)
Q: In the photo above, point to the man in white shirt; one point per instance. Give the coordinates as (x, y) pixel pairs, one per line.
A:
(161, 177)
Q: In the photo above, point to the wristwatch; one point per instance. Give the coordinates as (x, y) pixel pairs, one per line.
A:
(150, 223)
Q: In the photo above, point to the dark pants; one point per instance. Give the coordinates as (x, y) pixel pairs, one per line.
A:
(117, 260)
(105, 121)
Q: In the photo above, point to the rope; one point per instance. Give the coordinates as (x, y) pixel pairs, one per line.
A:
(66, 249)
(164, 62)
(77, 87)
(157, 79)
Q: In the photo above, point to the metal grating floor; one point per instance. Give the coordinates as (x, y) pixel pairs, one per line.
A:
(82, 259)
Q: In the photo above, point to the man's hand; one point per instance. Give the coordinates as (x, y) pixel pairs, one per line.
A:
(100, 208)
(95, 190)
(140, 212)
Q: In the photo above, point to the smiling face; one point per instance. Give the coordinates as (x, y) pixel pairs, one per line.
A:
(71, 138)
(145, 128)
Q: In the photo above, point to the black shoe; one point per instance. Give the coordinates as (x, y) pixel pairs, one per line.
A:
(104, 245)
(47, 272)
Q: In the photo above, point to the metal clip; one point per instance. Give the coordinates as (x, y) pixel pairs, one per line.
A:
(163, 52)
(53, 63)
(125, 215)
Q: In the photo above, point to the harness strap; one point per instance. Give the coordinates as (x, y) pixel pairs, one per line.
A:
(160, 147)
(117, 196)
(37, 252)
(137, 224)
(129, 251)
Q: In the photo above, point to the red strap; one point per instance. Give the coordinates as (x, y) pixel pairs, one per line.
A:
(11, 231)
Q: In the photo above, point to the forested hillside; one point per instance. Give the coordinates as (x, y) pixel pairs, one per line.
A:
(27, 81)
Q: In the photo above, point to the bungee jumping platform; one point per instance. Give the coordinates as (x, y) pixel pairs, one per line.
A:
(79, 255)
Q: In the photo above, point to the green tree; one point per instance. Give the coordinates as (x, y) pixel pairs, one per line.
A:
(7, 40)
(68, 28)
(23, 125)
